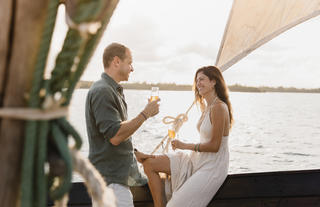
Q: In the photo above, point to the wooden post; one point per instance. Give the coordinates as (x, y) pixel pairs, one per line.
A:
(17, 58)
(5, 19)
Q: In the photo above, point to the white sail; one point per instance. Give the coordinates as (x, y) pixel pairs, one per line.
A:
(254, 22)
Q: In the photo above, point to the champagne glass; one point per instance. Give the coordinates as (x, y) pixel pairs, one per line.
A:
(171, 133)
(154, 93)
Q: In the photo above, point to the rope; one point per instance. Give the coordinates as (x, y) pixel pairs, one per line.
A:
(62, 202)
(63, 182)
(33, 114)
(83, 28)
(47, 122)
(41, 182)
(28, 199)
(94, 182)
(176, 122)
(90, 46)
(84, 52)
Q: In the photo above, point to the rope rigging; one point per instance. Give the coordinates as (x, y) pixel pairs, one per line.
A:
(177, 123)
(46, 148)
(48, 161)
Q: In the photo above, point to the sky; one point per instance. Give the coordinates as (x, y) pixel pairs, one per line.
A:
(170, 40)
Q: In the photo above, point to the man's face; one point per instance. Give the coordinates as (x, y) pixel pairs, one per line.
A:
(126, 66)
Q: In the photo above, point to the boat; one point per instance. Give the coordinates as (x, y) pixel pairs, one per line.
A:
(266, 189)
(242, 35)
(24, 21)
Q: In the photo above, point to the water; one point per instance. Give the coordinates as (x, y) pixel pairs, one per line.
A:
(272, 131)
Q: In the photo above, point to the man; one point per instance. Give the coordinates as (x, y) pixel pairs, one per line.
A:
(109, 131)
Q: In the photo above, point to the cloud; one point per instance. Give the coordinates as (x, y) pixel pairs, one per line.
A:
(207, 51)
(169, 40)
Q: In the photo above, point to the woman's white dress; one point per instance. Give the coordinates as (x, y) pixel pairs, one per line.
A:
(196, 177)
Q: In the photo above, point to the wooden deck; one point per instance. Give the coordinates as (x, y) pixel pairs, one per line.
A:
(268, 189)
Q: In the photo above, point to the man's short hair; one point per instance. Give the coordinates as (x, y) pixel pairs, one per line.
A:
(112, 50)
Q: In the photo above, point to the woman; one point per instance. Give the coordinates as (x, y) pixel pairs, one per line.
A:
(197, 177)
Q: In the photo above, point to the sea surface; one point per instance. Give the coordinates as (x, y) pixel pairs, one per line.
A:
(271, 132)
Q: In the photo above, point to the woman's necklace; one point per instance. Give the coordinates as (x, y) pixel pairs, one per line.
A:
(214, 100)
(206, 111)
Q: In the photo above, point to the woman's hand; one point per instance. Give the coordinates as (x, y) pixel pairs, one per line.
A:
(176, 144)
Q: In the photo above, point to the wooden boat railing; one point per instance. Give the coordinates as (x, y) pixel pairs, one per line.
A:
(267, 189)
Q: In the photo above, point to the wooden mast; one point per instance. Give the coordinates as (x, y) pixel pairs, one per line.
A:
(22, 23)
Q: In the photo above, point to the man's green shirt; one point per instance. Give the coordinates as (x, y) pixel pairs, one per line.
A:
(106, 108)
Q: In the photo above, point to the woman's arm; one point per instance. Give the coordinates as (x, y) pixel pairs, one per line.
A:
(218, 117)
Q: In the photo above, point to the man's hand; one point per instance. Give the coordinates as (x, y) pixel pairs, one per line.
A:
(141, 157)
(152, 108)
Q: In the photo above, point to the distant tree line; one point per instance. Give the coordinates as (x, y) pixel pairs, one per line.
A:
(177, 87)
(144, 86)
(240, 88)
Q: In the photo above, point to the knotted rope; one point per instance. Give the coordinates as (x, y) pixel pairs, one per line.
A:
(177, 123)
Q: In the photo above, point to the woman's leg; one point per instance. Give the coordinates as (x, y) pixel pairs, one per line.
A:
(152, 167)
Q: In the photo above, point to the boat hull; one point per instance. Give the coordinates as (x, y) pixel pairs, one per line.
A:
(267, 189)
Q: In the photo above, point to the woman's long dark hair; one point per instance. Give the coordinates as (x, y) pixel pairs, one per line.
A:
(213, 73)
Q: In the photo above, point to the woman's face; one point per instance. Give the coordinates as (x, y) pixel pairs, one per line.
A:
(204, 84)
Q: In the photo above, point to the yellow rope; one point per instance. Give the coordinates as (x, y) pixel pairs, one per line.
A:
(176, 122)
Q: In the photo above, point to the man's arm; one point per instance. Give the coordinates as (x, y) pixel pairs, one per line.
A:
(127, 128)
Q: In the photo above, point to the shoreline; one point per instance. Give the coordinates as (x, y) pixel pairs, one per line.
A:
(233, 88)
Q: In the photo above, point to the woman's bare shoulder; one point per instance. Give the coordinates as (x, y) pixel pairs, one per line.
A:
(220, 106)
